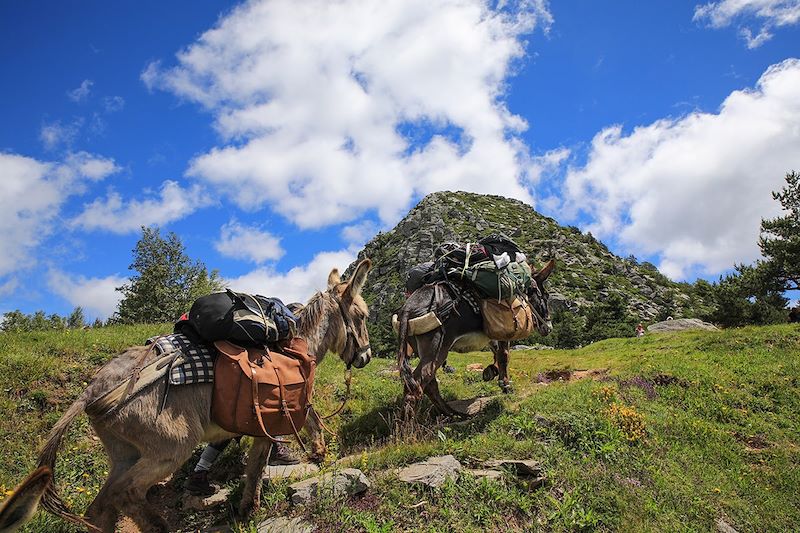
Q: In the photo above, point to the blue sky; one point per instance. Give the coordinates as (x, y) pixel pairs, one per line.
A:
(276, 138)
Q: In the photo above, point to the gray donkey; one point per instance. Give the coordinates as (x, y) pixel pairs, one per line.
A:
(145, 446)
(462, 330)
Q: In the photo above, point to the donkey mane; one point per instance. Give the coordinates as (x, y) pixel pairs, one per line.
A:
(311, 315)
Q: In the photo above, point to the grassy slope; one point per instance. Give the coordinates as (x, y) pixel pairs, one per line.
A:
(717, 438)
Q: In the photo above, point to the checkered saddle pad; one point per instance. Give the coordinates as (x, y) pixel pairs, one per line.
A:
(197, 363)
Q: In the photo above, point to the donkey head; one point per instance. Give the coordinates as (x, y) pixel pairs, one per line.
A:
(22, 504)
(354, 338)
(538, 298)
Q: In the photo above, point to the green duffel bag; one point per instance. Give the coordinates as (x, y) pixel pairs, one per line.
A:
(522, 274)
(499, 284)
(490, 282)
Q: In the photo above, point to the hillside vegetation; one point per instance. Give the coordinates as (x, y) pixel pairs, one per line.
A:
(671, 432)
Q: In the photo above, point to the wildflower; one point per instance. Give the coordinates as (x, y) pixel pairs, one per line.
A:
(8, 492)
(628, 421)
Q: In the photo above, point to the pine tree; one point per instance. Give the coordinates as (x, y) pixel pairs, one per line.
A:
(166, 282)
(76, 320)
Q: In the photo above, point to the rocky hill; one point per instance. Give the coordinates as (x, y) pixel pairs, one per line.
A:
(586, 271)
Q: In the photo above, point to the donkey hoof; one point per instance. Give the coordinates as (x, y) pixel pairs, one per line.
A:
(247, 509)
(316, 457)
(506, 388)
(490, 372)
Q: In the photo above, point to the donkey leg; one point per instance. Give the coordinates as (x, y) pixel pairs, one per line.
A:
(254, 474)
(103, 511)
(318, 448)
(501, 355)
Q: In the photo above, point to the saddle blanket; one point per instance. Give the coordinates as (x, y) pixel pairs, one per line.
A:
(197, 363)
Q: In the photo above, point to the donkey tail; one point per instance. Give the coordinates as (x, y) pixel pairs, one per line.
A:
(51, 501)
(402, 354)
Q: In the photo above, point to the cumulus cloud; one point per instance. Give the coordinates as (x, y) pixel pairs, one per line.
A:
(358, 105)
(358, 234)
(32, 193)
(770, 13)
(299, 283)
(694, 189)
(97, 296)
(248, 242)
(116, 215)
(81, 93)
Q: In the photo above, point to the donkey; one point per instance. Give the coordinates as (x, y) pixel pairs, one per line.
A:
(144, 447)
(462, 329)
(22, 504)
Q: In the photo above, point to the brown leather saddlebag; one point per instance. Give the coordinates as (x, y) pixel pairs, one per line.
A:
(507, 320)
(260, 392)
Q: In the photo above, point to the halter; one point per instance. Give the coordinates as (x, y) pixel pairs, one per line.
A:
(536, 315)
(350, 331)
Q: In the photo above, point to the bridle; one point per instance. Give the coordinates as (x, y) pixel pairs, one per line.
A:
(350, 331)
(540, 320)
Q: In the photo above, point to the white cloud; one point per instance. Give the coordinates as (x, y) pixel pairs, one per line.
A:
(112, 104)
(97, 296)
(81, 93)
(316, 102)
(299, 283)
(771, 14)
(249, 243)
(116, 215)
(55, 134)
(32, 193)
(694, 189)
(358, 234)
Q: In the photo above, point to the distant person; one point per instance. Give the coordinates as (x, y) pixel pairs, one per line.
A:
(639, 330)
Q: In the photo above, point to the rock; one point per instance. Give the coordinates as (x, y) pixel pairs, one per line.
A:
(342, 483)
(518, 467)
(472, 406)
(475, 367)
(290, 471)
(200, 503)
(723, 527)
(521, 347)
(493, 475)
(432, 472)
(680, 324)
(282, 524)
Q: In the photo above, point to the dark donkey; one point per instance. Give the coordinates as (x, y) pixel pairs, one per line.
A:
(462, 329)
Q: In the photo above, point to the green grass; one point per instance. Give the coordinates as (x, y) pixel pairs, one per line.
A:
(684, 429)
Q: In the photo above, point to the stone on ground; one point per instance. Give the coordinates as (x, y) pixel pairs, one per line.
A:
(342, 483)
(680, 324)
(290, 471)
(473, 406)
(199, 503)
(282, 524)
(521, 468)
(492, 475)
(724, 527)
(432, 472)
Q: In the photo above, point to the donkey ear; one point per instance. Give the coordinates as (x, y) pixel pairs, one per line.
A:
(333, 278)
(359, 278)
(545, 272)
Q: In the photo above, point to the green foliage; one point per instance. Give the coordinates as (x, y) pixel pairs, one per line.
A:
(609, 318)
(18, 321)
(780, 236)
(166, 282)
(568, 330)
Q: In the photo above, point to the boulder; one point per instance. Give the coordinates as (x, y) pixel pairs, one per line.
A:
(471, 406)
(680, 324)
(342, 483)
(432, 472)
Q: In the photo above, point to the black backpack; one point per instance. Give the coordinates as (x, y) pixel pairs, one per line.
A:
(496, 244)
(244, 319)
